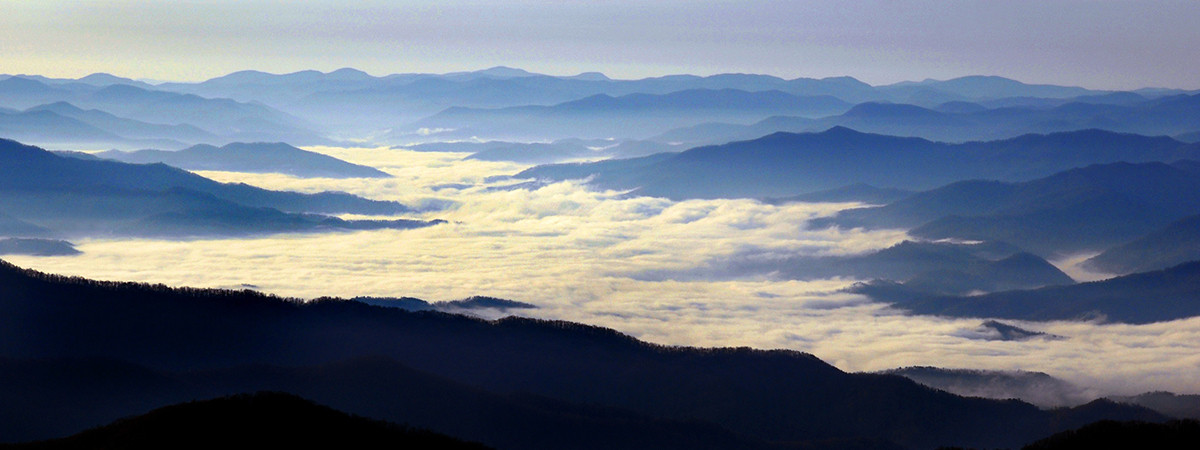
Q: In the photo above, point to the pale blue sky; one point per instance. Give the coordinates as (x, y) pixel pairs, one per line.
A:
(1093, 43)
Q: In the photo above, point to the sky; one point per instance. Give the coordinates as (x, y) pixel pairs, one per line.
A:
(1101, 44)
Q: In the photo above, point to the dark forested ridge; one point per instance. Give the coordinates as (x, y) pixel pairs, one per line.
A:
(858, 192)
(1173, 435)
(262, 420)
(236, 337)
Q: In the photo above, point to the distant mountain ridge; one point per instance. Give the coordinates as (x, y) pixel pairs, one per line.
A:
(132, 114)
(349, 103)
(786, 164)
(627, 116)
(934, 267)
(264, 419)
(963, 122)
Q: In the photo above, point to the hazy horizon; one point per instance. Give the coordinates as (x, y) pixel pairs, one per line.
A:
(1111, 45)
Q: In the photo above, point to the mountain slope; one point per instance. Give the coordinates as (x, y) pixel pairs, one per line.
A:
(784, 164)
(858, 192)
(140, 113)
(91, 197)
(1164, 295)
(1003, 118)
(128, 128)
(1119, 202)
(30, 168)
(1176, 244)
(39, 247)
(934, 267)
(1035, 387)
(250, 157)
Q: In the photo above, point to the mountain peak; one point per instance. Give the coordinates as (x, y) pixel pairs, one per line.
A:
(590, 76)
(22, 83)
(103, 79)
(842, 130)
(349, 73)
(59, 106)
(505, 72)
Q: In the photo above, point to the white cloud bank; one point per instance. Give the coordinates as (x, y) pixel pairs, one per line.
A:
(570, 251)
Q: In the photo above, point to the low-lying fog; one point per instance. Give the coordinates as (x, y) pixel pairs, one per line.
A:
(583, 256)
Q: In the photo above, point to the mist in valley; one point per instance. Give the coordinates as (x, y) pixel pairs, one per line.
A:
(580, 254)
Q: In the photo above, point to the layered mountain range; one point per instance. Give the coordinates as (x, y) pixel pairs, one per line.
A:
(312, 107)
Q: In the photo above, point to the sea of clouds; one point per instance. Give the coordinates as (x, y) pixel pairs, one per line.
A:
(585, 256)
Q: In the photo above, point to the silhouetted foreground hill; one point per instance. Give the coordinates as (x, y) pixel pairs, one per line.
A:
(75, 196)
(275, 157)
(1118, 202)
(786, 164)
(1158, 296)
(1173, 435)
(99, 391)
(775, 396)
(261, 420)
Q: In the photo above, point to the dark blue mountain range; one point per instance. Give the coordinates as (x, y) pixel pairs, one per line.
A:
(73, 196)
(274, 157)
(786, 164)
